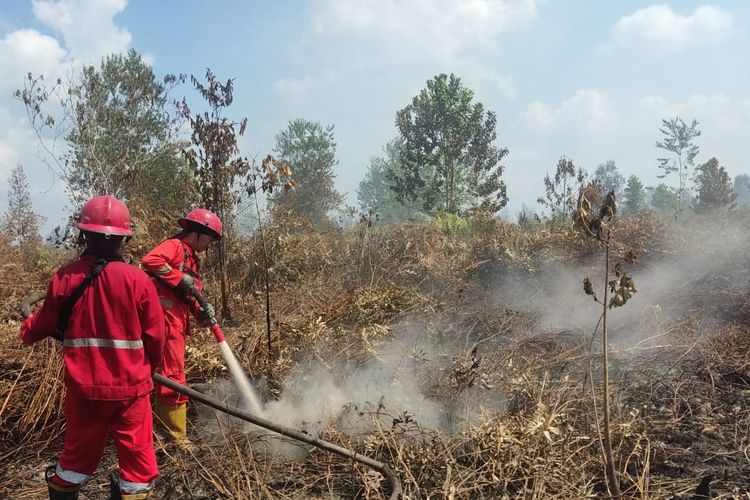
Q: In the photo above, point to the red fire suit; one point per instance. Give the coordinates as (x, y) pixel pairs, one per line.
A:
(169, 261)
(113, 343)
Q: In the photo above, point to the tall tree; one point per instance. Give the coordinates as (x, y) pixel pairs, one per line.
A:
(449, 160)
(310, 150)
(714, 187)
(20, 222)
(120, 131)
(215, 159)
(635, 196)
(665, 200)
(375, 193)
(679, 140)
(742, 188)
(608, 177)
(561, 192)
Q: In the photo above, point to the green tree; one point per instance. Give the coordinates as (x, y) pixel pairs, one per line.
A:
(449, 160)
(20, 222)
(215, 159)
(375, 193)
(714, 187)
(665, 200)
(121, 134)
(561, 192)
(678, 140)
(608, 177)
(635, 196)
(742, 188)
(310, 150)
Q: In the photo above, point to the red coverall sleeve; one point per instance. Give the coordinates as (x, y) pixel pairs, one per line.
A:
(152, 324)
(164, 261)
(43, 322)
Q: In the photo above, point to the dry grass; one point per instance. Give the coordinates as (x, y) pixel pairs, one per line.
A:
(519, 396)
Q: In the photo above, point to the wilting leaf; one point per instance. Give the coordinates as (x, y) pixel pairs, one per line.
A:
(630, 257)
(627, 283)
(582, 215)
(609, 208)
(612, 286)
(618, 269)
(622, 295)
(588, 288)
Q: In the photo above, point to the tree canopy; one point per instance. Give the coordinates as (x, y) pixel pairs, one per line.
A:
(309, 149)
(714, 187)
(635, 196)
(608, 177)
(375, 193)
(561, 191)
(450, 162)
(121, 131)
(665, 200)
(679, 140)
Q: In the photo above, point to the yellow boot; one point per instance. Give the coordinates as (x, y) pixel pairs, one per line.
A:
(172, 419)
(116, 494)
(136, 496)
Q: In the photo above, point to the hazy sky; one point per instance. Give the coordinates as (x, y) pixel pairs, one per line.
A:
(585, 78)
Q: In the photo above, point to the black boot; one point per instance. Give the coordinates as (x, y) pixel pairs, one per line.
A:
(114, 488)
(57, 492)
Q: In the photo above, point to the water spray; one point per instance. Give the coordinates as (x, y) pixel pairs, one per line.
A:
(249, 396)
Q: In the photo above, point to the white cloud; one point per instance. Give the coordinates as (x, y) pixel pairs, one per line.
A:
(24, 51)
(432, 29)
(87, 32)
(590, 110)
(723, 119)
(21, 52)
(297, 87)
(660, 28)
(489, 81)
(87, 26)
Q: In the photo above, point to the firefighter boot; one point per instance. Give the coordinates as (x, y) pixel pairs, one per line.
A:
(59, 492)
(173, 419)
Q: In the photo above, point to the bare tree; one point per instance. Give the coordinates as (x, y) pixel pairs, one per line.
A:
(215, 159)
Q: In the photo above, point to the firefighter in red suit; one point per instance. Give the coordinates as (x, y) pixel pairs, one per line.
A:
(176, 266)
(113, 338)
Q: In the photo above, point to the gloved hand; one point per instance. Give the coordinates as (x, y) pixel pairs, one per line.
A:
(207, 316)
(186, 285)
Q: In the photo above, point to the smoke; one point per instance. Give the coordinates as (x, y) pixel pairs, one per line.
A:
(700, 260)
(391, 388)
(386, 386)
(401, 380)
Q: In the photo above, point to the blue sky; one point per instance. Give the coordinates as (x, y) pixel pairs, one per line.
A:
(583, 78)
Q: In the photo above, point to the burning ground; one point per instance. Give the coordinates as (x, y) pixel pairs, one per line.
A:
(462, 357)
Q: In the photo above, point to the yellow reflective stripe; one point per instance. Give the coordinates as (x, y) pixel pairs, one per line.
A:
(94, 342)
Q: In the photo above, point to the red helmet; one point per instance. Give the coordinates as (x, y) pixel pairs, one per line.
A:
(205, 218)
(106, 215)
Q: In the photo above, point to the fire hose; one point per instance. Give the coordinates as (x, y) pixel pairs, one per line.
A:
(382, 468)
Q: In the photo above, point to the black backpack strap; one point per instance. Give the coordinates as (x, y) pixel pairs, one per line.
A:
(183, 266)
(70, 301)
